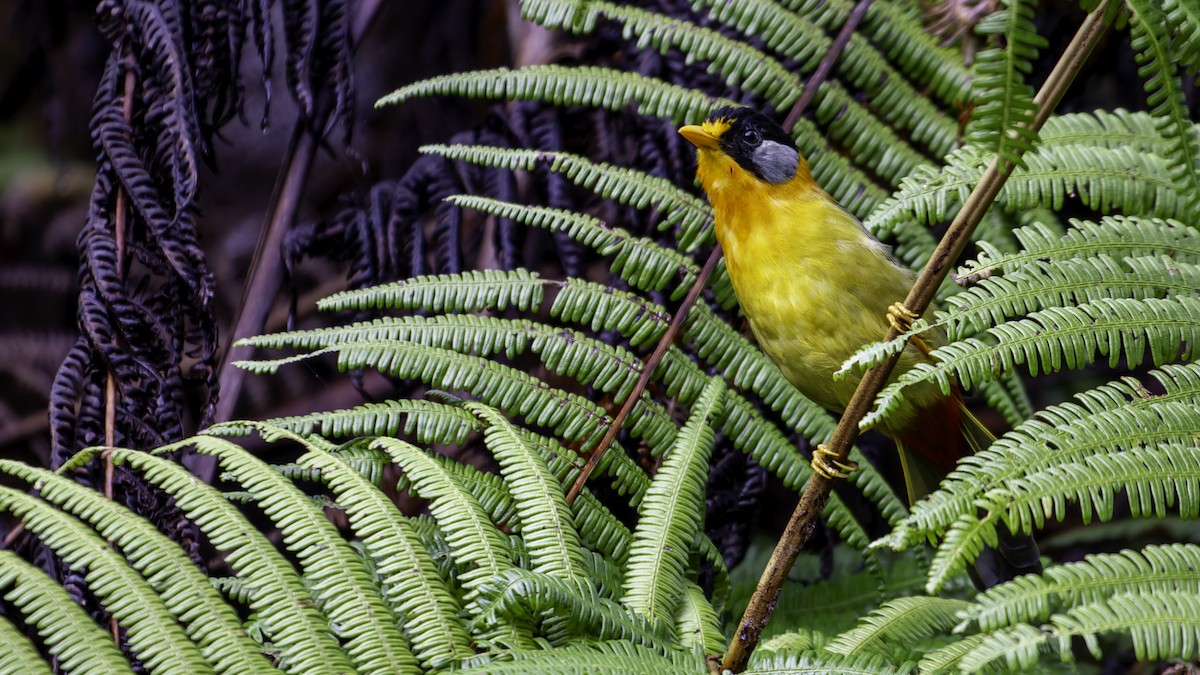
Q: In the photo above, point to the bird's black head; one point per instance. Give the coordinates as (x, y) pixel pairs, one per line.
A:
(756, 143)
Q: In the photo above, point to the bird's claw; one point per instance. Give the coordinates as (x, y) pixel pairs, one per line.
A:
(901, 318)
(827, 464)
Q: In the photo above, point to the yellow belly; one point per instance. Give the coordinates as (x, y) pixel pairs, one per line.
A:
(815, 287)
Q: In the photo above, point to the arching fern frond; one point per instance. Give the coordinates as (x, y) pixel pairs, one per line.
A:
(1184, 16)
(615, 656)
(902, 36)
(288, 614)
(1060, 337)
(1168, 569)
(522, 595)
(740, 64)
(1161, 626)
(344, 589)
(670, 515)
(679, 208)
(1104, 179)
(903, 622)
(471, 291)
(822, 662)
(641, 262)
(155, 634)
(407, 574)
(1104, 421)
(214, 627)
(547, 522)
(65, 629)
(590, 86)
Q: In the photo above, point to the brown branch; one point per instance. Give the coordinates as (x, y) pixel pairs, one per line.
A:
(812, 503)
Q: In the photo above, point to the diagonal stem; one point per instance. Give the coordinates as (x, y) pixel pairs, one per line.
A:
(812, 502)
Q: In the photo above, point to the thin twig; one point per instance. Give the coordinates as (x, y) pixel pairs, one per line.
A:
(664, 344)
(111, 399)
(812, 503)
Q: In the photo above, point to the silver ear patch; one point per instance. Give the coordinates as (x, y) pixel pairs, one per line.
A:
(776, 162)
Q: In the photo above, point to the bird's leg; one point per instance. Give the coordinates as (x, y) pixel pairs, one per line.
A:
(901, 318)
(825, 463)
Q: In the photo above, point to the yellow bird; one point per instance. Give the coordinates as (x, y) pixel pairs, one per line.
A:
(813, 283)
(816, 286)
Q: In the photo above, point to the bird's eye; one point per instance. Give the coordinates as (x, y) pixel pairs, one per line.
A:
(751, 136)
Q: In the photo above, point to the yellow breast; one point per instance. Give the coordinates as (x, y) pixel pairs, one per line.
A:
(814, 285)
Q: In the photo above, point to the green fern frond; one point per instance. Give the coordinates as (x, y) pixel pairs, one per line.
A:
(155, 636)
(1106, 129)
(945, 659)
(616, 656)
(473, 540)
(741, 65)
(570, 416)
(523, 595)
(66, 631)
(1002, 122)
(1167, 569)
(784, 31)
(344, 588)
(602, 307)
(547, 522)
(1113, 236)
(1153, 41)
(1184, 17)
(1163, 626)
(589, 86)
(1105, 420)
(1040, 284)
(1008, 397)
(864, 138)
(1104, 179)
(585, 359)
(678, 208)
(471, 291)
(1060, 337)
(696, 622)
(429, 422)
(214, 626)
(822, 663)
(639, 261)
(290, 616)
(900, 33)
(410, 582)
(671, 513)
(901, 620)
(1153, 478)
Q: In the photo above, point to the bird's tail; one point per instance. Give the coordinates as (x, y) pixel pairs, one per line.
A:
(925, 467)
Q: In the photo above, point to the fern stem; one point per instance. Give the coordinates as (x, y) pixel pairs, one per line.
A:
(660, 351)
(812, 503)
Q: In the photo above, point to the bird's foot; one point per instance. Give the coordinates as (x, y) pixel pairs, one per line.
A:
(826, 463)
(901, 318)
